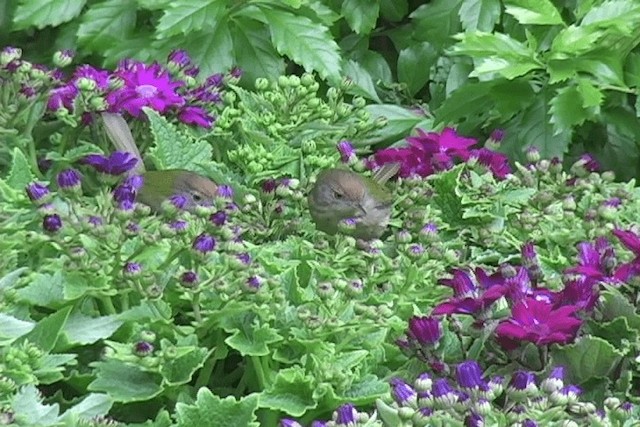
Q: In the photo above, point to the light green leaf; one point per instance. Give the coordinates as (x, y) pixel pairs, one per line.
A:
(211, 410)
(81, 329)
(124, 382)
(45, 13)
(610, 13)
(533, 12)
(173, 149)
(28, 408)
(589, 357)
(291, 392)
(106, 23)
(573, 41)
(400, 122)
(93, 405)
(479, 14)
(507, 68)
(186, 16)
(20, 174)
(44, 290)
(46, 332)
(180, 369)
(481, 44)
(361, 14)
(591, 95)
(414, 65)
(306, 42)
(253, 340)
(10, 279)
(362, 82)
(567, 109)
(12, 328)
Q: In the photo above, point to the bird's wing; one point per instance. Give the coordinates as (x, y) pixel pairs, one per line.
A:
(385, 172)
(122, 138)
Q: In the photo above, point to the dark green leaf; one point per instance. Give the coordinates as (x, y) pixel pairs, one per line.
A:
(253, 51)
(362, 81)
(394, 10)
(479, 14)
(212, 50)
(567, 109)
(106, 23)
(414, 65)
(45, 13)
(436, 22)
(306, 42)
(361, 14)
(469, 100)
(211, 410)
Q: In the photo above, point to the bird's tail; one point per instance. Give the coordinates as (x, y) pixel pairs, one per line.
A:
(122, 138)
(386, 171)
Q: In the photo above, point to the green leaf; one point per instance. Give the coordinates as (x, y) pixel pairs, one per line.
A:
(125, 383)
(533, 12)
(436, 22)
(291, 392)
(388, 414)
(47, 331)
(400, 122)
(479, 15)
(45, 13)
(12, 328)
(186, 16)
(615, 305)
(253, 340)
(10, 279)
(589, 357)
(173, 149)
(253, 50)
(92, 406)
(106, 23)
(414, 65)
(612, 13)
(394, 10)
(574, 40)
(470, 99)
(20, 175)
(567, 109)
(44, 290)
(365, 390)
(28, 408)
(615, 332)
(362, 82)
(81, 329)
(212, 50)
(447, 198)
(306, 42)
(591, 95)
(211, 410)
(179, 370)
(361, 15)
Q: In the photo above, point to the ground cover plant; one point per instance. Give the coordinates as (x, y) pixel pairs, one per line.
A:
(503, 292)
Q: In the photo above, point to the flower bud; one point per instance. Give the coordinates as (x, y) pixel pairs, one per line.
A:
(62, 58)
(533, 154)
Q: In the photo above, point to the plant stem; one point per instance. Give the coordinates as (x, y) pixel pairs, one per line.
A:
(256, 361)
(205, 373)
(107, 305)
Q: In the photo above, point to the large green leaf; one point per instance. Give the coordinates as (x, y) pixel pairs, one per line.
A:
(213, 51)
(414, 65)
(292, 392)
(187, 16)
(479, 15)
(211, 410)
(106, 23)
(124, 382)
(44, 13)
(253, 50)
(536, 12)
(361, 14)
(47, 331)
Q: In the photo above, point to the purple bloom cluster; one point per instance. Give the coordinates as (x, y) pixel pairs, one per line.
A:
(134, 85)
(428, 153)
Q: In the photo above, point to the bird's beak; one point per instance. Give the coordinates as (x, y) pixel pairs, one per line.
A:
(362, 209)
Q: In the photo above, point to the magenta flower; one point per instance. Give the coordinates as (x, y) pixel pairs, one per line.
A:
(145, 86)
(117, 163)
(195, 116)
(425, 330)
(497, 163)
(581, 293)
(471, 295)
(629, 239)
(597, 263)
(62, 97)
(100, 77)
(347, 152)
(538, 322)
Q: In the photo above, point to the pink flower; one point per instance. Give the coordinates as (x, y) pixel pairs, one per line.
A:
(538, 322)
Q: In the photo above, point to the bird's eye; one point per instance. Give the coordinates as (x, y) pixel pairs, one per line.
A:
(197, 197)
(338, 195)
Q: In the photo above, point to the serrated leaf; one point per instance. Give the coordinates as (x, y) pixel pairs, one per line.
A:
(591, 95)
(46, 332)
(436, 22)
(589, 357)
(253, 51)
(138, 45)
(124, 382)
(447, 198)
(414, 65)
(106, 23)
(574, 40)
(45, 13)
(306, 42)
(479, 14)
(186, 16)
(93, 405)
(362, 82)
(212, 50)
(20, 174)
(509, 69)
(253, 340)
(44, 290)
(400, 122)
(612, 12)
(394, 10)
(291, 392)
(361, 15)
(210, 409)
(12, 328)
(173, 149)
(10, 279)
(533, 12)
(28, 408)
(481, 44)
(567, 110)
(180, 369)
(81, 329)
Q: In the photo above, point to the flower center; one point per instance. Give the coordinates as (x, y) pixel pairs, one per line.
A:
(147, 91)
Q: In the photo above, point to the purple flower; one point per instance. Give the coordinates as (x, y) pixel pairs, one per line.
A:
(474, 420)
(469, 298)
(87, 72)
(347, 152)
(63, 57)
(629, 239)
(143, 348)
(180, 201)
(522, 381)
(288, 422)
(403, 393)
(255, 282)
(37, 191)
(69, 179)
(27, 91)
(189, 278)
(204, 243)
(588, 163)
(497, 135)
(555, 380)
(425, 330)
(95, 221)
(244, 258)
(9, 54)
(179, 225)
(236, 72)
(225, 191)
(496, 162)
(469, 375)
(125, 196)
(117, 163)
(346, 415)
(538, 322)
(269, 185)
(218, 218)
(193, 115)
(145, 86)
(597, 264)
(52, 223)
(132, 269)
(180, 58)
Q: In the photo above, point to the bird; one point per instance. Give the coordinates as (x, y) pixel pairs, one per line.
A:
(160, 185)
(340, 194)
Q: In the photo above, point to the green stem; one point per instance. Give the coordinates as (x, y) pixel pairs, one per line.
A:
(195, 305)
(259, 371)
(107, 305)
(205, 373)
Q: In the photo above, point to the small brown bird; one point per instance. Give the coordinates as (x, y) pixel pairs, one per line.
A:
(159, 185)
